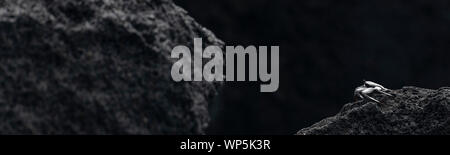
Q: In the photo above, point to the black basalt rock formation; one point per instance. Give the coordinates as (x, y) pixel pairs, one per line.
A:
(98, 67)
(413, 111)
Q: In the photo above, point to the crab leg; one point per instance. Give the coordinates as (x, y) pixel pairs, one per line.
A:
(370, 98)
(384, 93)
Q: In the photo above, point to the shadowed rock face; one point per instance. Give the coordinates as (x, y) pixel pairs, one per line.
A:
(413, 110)
(98, 67)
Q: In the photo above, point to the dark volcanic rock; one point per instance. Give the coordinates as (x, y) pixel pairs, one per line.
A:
(413, 111)
(97, 67)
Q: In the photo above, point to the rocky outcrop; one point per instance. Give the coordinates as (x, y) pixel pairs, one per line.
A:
(413, 111)
(98, 67)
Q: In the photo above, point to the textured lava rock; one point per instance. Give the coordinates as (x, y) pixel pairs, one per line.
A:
(413, 110)
(98, 67)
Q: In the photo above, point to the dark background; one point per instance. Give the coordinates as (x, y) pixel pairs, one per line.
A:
(327, 47)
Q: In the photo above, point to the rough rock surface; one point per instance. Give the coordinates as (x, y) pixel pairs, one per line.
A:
(412, 111)
(98, 67)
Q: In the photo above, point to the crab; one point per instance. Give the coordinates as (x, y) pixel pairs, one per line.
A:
(369, 87)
